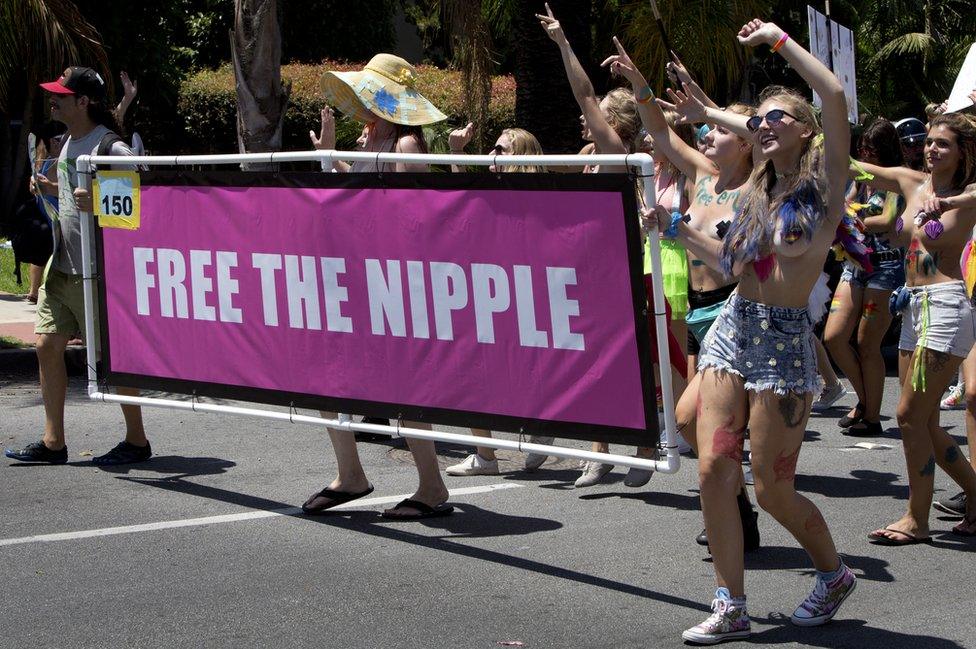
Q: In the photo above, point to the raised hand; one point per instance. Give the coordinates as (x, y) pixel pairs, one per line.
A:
(689, 108)
(460, 137)
(129, 87)
(676, 67)
(552, 26)
(756, 32)
(326, 138)
(620, 63)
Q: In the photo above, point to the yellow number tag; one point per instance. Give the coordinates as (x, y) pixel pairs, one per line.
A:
(115, 197)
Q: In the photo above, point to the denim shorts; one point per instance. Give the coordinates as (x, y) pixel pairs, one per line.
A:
(887, 275)
(770, 347)
(939, 317)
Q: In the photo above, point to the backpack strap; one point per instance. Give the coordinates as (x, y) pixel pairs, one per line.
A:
(107, 142)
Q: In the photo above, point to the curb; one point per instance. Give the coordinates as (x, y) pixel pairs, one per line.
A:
(24, 361)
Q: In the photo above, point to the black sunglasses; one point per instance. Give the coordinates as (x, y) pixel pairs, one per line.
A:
(772, 117)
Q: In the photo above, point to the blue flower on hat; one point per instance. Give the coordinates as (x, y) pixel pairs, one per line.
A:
(386, 102)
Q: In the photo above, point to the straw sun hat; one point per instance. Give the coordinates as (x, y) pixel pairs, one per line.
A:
(384, 88)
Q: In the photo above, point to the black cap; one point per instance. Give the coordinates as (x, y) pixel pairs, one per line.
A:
(78, 81)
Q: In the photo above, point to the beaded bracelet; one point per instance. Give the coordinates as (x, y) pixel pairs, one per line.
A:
(643, 98)
(781, 42)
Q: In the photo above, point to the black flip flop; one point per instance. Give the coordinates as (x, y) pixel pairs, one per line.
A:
(910, 539)
(335, 498)
(424, 510)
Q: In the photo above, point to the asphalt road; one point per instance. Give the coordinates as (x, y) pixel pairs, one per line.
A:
(201, 547)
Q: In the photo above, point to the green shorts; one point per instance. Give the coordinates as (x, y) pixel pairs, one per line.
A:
(61, 305)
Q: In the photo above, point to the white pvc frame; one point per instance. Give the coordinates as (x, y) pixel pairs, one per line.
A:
(668, 464)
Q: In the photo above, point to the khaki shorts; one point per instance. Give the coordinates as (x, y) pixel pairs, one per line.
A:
(61, 306)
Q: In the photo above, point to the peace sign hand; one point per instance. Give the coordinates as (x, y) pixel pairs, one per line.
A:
(552, 26)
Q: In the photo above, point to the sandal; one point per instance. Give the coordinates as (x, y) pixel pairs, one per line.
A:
(423, 510)
(321, 502)
(865, 429)
(965, 528)
(847, 420)
(879, 537)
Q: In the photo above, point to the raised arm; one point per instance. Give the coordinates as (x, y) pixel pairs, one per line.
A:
(901, 180)
(687, 159)
(603, 134)
(326, 140)
(457, 140)
(692, 111)
(129, 92)
(837, 132)
(680, 72)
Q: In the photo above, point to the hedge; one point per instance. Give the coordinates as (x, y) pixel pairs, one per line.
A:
(207, 104)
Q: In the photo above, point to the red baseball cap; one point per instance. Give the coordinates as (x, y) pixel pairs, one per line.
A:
(78, 81)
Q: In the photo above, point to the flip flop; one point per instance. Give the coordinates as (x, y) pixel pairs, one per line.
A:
(326, 499)
(423, 510)
(910, 539)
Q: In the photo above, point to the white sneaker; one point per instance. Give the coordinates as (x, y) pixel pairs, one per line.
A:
(956, 399)
(534, 460)
(829, 397)
(474, 464)
(593, 473)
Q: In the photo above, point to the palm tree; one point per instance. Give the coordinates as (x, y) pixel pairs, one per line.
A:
(261, 96)
(703, 33)
(913, 51)
(39, 39)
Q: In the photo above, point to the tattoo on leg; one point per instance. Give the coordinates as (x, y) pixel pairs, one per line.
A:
(929, 468)
(815, 523)
(727, 442)
(937, 360)
(784, 466)
(952, 454)
(870, 311)
(791, 408)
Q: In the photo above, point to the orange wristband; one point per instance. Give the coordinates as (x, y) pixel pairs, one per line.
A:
(781, 42)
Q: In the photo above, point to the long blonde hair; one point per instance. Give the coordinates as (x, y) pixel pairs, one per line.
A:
(623, 117)
(800, 206)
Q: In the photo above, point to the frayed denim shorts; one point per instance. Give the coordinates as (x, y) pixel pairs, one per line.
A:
(939, 317)
(770, 347)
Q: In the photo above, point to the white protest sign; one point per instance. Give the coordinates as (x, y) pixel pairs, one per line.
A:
(840, 44)
(965, 83)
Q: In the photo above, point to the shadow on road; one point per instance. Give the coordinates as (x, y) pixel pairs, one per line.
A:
(474, 522)
(843, 634)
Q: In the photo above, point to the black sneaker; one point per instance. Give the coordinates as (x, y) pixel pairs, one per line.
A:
(38, 452)
(955, 506)
(124, 453)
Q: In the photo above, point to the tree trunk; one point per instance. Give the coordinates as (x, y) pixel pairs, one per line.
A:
(544, 103)
(13, 156)
(261, 96)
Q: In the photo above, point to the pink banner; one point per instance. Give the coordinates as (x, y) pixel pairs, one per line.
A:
(516, 303)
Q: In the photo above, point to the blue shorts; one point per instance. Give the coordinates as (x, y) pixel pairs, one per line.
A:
(770, 347)
(887, 275)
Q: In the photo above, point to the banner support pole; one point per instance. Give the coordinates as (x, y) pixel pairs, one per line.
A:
(84, 166)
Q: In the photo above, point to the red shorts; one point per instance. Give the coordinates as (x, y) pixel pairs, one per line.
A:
(678, 359)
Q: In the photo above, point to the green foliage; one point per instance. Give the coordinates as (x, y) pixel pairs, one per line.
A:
(8, 283)
(207, 105)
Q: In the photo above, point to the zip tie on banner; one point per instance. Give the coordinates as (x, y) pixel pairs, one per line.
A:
(521, 435)
(291, 409)
(193, 401)
(494, 163)
(399, 423)
(379, 169)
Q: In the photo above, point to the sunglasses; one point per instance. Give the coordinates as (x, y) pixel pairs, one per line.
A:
(774, 116)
